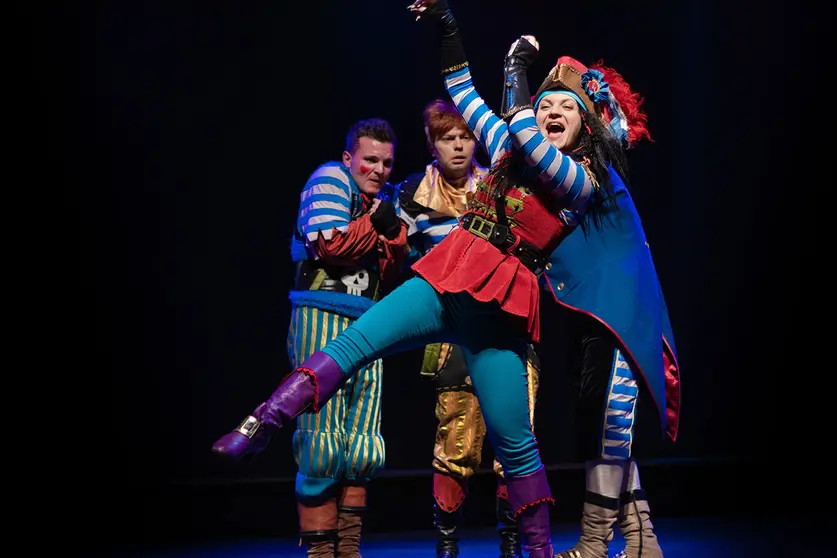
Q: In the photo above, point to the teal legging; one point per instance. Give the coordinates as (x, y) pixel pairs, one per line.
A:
(494, 345)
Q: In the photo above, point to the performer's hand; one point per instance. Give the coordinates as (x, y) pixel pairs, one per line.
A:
(438, 13)
(429, 9)
(420, 6)
(374, 207)
(525, 49)
(386, 221)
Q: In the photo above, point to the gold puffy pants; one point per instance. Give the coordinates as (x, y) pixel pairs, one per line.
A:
(461, 430)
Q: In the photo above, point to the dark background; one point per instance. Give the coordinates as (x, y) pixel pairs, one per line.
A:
(186, 130)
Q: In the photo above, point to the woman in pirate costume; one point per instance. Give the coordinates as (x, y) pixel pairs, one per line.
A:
(479, 288)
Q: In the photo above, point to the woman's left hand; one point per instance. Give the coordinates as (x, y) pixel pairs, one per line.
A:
(525, 48)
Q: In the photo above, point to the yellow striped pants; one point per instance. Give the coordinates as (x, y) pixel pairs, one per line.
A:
(343, 440)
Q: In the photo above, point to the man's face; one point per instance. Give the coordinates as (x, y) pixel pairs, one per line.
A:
(454, 150)
(370, 165)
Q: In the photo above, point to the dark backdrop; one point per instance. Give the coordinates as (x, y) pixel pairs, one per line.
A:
(190, 128)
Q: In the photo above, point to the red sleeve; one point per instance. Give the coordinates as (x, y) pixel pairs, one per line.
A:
(347, 248)
(392, 254)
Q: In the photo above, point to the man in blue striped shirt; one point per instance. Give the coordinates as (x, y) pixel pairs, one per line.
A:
(347, 245)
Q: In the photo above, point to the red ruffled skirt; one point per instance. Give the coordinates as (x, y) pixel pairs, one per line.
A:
(465, 262)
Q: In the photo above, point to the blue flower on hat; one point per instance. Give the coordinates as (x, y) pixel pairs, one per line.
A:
(595, 85)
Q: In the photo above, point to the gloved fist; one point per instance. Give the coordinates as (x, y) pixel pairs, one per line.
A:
(385, 220)
(525, 50)
(429, 9)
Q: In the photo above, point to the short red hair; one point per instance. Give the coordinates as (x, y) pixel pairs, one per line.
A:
(440, 117)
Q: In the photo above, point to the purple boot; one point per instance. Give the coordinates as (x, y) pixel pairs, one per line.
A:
(529, 496)
(310, 385)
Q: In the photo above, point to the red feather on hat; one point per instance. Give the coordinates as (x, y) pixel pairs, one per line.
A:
(629, 101)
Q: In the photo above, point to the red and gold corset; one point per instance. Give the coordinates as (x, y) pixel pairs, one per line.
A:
(533, 216)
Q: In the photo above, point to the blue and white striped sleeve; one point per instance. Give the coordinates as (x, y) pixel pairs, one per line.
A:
(435, 229)
(490, 130)
(325, 203)
(560, 173)
(405, 216)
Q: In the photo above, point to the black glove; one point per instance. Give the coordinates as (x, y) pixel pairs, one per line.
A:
(516, 95)
(385, 221)
(451, 51)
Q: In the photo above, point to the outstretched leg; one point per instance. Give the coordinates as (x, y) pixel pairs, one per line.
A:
(408, 317)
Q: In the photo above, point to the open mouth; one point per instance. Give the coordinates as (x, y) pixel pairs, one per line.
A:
(554, 129)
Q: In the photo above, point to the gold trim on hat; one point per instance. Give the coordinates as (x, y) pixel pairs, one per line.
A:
(566, 76)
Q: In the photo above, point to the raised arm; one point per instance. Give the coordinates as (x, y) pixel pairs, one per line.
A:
(559, 173)
(490, 130)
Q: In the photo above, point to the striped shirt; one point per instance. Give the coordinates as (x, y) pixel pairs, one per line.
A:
(426, 230)
(427, 227)
(329, 201)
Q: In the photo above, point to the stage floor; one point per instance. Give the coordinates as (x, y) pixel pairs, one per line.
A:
(724, 537)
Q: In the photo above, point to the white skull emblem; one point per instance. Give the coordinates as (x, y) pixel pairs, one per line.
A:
(356, 283)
